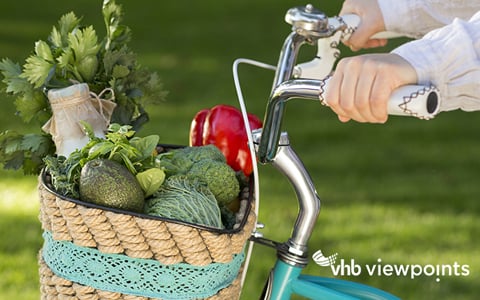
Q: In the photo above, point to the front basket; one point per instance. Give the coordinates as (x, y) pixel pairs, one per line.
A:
(92, 250)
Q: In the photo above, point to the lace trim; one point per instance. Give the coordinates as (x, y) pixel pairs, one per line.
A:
(141, 277)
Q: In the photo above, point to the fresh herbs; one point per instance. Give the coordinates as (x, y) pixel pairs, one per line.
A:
(137, 154)
(74, 53)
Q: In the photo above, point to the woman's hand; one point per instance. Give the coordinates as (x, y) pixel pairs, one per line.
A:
(361, 86)
(371, 22)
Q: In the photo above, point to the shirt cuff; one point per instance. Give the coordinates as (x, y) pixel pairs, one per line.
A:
(447, 59)
(422, 56)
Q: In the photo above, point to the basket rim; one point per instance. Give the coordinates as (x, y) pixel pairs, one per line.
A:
(47, 185)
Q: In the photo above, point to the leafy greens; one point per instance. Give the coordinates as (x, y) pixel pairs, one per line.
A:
(74, 53)
(137, 154)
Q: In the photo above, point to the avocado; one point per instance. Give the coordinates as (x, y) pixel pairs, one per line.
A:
(108, 183)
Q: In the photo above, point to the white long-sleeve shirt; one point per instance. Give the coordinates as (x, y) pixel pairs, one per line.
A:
(447, 52)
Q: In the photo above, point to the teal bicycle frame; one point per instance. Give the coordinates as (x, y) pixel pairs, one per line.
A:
(287, 280)
(273, 147)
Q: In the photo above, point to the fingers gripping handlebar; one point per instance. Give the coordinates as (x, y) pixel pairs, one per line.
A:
(352, 21)
(417, 101)
(310, 80)
(410, 100)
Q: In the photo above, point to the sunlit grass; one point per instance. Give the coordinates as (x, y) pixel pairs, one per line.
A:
(20, 237)
(18, 193)
(406, 192)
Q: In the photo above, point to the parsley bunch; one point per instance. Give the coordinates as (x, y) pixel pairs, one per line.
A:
(74, 53)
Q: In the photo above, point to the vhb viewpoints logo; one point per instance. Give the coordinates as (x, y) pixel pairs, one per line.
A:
(352, 268)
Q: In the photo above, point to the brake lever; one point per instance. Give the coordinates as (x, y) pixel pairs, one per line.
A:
(339, 29)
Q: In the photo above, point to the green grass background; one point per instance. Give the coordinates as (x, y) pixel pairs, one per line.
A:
(406, 192)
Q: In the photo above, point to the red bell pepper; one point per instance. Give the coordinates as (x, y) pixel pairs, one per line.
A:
(223, 126)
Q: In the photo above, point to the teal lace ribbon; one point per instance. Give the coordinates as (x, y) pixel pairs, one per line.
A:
(139, 277)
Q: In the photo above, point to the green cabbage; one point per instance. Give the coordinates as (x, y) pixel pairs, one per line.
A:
(185, 199)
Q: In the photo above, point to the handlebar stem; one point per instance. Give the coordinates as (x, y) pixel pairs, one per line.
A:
(288, 163)
(294, 251)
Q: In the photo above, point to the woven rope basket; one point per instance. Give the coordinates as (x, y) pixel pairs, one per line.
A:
(136, 236)
(55, 287)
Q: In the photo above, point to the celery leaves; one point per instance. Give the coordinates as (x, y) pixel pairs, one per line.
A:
(74, 53)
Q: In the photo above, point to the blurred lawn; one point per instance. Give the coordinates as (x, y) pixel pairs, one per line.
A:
(406, 192)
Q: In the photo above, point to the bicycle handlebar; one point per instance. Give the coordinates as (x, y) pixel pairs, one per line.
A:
(309, 25)
(418, 101)
(411, 100)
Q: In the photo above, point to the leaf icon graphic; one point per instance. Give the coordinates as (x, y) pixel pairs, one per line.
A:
(324, 261)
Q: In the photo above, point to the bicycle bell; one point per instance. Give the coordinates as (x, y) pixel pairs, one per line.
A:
(308, 21)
